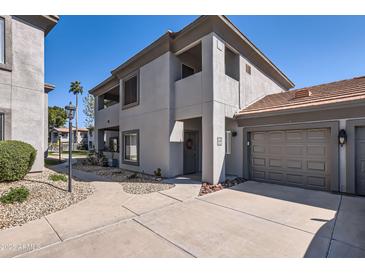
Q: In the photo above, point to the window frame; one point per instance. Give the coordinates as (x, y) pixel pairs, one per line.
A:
(130, 76)
(8, 54)
(124, 160)
(2, 126)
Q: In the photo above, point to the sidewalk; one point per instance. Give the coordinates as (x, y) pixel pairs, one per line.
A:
(107, 206)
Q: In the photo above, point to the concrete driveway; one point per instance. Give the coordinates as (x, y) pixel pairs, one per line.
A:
(250, 220)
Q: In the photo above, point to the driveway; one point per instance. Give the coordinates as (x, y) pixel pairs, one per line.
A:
(250, 220)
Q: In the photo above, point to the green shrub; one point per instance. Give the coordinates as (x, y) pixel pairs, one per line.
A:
(16, 160)
(157, 172)
(17, 194)
(57, 177)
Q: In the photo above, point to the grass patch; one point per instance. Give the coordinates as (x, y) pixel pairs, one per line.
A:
(17, 194)
(77, 153)
(58, 177)
(52, 162)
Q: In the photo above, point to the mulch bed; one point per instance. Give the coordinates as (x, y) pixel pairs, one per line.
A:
(207, 188)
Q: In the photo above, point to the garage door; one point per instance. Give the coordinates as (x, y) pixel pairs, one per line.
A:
(293, 157)
(360, 160)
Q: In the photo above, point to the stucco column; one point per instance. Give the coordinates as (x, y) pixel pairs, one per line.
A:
(213, 118)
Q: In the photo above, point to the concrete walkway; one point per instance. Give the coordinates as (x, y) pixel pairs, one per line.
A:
(250, 220)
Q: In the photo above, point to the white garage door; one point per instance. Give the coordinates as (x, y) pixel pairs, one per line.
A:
(293, 157)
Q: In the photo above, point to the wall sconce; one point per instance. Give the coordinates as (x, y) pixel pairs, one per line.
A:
(342, 137)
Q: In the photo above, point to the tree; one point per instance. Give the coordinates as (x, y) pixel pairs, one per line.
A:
(76, 89)
(56, 117)
(89, 104)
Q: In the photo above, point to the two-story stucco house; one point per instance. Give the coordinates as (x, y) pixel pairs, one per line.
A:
(23, 93)
(206, 100)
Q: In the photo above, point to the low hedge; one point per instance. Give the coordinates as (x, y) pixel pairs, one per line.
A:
(16, 160)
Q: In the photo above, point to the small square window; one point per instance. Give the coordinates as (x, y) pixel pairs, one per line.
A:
(130, 91)
(248, 69)
(131, 147)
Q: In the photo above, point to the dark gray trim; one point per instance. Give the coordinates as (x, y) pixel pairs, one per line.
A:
(6, 123)
(126, 162)
(137, 74)
(2, 126)
(334, 127)
(351, 153)
(8, 44)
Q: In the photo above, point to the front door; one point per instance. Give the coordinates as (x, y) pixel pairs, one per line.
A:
(360, 160)
(191, 152)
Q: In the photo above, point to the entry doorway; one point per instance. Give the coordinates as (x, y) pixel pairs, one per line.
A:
(191, 152)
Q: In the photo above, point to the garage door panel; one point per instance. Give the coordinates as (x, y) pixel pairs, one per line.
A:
(299, 157)
(316, 166)
(259, 162)
(294, 164)
(276, 137)
(295, 136)
(276, 176)
(258, 148)
(316, 150)
(275, 149)
(295, 150)
(275, 163)
(316, 181)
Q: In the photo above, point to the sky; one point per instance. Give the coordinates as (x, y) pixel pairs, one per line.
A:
(310, 50)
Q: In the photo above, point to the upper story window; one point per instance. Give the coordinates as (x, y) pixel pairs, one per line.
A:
(248, 69)
(2, 122)
(130, 91)
(190, 61)
(2, 40)
(232, 64)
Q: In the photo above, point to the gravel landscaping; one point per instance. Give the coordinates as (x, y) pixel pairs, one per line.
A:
(45, 197)
(207, 188)
(142, 184)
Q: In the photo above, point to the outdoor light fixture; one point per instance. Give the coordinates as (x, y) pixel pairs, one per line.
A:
(342, 137)
(70, 110)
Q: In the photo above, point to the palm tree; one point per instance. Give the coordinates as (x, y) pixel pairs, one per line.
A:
(76, 89)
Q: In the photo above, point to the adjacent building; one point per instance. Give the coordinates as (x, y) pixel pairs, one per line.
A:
(23, 92)
(62, 134)
(206, 100)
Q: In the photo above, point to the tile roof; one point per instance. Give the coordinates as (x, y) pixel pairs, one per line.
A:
(64, 129)
(335, 92)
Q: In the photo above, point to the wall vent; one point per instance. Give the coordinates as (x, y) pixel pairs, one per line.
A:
(302, 93)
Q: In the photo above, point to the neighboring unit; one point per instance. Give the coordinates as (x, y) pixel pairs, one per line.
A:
(206, 100)
(23, 93)
(62, 134)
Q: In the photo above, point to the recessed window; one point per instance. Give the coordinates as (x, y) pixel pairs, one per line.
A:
(2, 122)
(131, 147)
(130, 91)
(231, 64)
(186, 71)
(248, 69)
(2, 40)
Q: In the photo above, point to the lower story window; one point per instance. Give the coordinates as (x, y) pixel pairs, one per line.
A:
(2, 122)
(131, 147)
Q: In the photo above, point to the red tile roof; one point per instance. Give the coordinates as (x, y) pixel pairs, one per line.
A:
(64, 129)
(335, 92)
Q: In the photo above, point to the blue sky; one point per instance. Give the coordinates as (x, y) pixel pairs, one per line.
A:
(309, 49)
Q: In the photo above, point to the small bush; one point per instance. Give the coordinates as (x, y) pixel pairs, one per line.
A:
(97, 159)
(16, 160)
(57, 177)
(158, 172)
(15, 195)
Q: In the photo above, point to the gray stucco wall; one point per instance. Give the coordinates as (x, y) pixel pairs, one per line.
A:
(22, 90)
